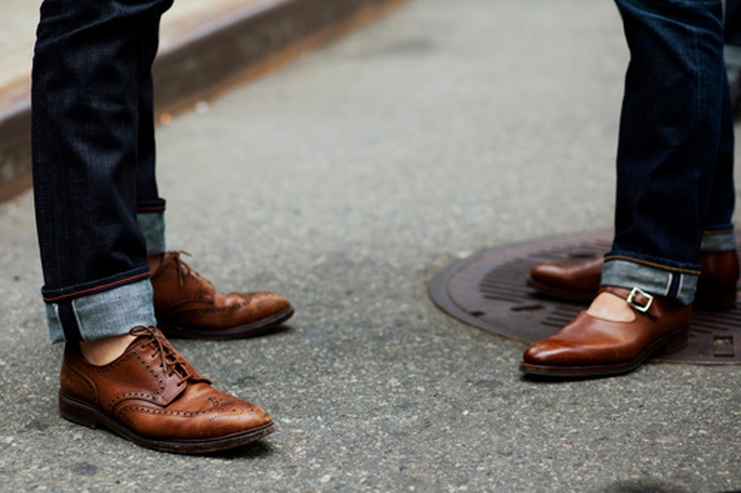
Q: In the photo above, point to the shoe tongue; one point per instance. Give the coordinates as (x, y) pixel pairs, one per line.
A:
(170, 356)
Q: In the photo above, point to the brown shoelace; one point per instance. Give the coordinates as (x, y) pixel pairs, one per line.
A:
(170, 360)
(184, 270)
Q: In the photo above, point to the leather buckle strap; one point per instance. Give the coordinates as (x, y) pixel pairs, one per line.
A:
(640, 300)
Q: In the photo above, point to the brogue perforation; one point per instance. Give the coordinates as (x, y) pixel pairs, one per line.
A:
(175, 410)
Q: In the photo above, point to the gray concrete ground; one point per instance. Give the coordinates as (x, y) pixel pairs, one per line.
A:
(345, 181)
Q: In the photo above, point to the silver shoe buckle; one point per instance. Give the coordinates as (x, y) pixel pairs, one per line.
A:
(632, 300)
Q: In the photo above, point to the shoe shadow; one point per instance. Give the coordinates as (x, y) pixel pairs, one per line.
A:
(281, 329)
(255, 450)
(554, 380)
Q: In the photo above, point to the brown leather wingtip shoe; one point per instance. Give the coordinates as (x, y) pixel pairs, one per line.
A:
(716, 287)
(153, 397)
(188, 305)
(592, 347)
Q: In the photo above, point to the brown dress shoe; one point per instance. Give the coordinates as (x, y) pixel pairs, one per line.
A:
(591, 347)
(716, 287)
(152, 396)
(187, 305)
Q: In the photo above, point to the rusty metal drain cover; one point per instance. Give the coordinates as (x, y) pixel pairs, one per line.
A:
(488, 291)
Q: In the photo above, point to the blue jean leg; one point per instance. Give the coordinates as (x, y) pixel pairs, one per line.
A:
(93, 147)
(672, 132)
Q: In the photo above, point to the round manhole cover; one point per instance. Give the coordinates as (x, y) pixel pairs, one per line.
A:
(488, 291)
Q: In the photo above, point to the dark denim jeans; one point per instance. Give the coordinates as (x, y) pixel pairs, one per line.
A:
(675, 192)
(97, 204)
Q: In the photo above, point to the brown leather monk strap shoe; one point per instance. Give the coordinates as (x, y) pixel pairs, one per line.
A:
(152, 396)
(716, 287)
(590, 347)
(187, 305)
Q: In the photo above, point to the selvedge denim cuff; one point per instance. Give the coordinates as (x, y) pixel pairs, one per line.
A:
(628, 274)
(152, 225)
(106, 314)
(718, 241)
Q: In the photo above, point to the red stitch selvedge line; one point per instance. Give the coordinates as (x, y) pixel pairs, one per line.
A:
(652, 264)
(98, 288)
(150, 209)
(717, 232)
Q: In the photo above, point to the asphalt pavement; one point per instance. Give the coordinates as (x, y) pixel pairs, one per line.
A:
(344, 181)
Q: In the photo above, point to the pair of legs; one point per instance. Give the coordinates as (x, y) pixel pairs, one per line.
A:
(108, 280)
(675, 193)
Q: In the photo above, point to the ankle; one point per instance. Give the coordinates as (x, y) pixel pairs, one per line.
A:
(103, 351)
(154, 262)
(610, 307)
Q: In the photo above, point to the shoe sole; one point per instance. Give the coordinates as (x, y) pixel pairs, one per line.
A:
(239, 332)
(665, 344)
(85, 414)
(715, 300)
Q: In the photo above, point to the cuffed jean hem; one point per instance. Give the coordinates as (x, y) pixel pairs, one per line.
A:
(152, 225)
(631, 274)
(718, 241)
(105, 314)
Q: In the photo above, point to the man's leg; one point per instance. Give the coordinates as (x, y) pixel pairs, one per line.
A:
(667, 155)
(186, 304)
(118, 370)
(716, 287)
(150, 207)
(87, 64)
(668, 148)
(718, 245)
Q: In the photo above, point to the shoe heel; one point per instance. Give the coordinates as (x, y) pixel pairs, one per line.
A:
(677, 341)
(75, 411)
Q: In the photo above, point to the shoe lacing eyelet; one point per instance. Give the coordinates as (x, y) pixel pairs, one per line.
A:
(170, 361)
